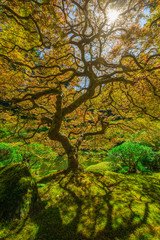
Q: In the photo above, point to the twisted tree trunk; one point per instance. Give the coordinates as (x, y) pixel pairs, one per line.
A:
(73, 159)
(70, 150)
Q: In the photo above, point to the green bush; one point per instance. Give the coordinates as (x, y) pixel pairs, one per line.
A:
(155, 164)
(143, 169)
(9, 154)
(124, 170)
(39, 158)
(3, 133)
(131, 155)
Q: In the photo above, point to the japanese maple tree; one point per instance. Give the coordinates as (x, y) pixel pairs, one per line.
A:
(79, 67)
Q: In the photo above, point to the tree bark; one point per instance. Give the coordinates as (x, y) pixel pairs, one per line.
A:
(72, 159)
(70, 150)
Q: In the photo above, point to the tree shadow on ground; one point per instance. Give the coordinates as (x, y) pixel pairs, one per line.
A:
(50, 222)
(92, 206)
(51, 226)
(127, 226)
(93, 210)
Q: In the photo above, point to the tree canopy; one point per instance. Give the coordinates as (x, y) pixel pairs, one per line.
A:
(79, 68)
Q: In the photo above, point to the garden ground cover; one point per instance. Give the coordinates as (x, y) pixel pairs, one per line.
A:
(92, 206)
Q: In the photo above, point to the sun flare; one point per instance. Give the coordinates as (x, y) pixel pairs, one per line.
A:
(112, 15)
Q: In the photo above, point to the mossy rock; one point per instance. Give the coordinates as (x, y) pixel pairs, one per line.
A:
(18, 192)
(99, 167)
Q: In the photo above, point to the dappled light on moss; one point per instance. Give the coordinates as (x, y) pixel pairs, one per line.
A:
(94, 206)
(102, 205)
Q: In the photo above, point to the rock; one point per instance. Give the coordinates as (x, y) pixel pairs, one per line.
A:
(18, 192)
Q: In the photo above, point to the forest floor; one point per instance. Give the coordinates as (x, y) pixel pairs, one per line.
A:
(92, 206)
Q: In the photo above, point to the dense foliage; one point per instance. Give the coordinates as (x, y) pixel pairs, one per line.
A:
(70, 73)
(130, 157)
(9, 154)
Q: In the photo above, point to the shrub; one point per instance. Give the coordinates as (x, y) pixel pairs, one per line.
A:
(155, 164)
(3, 133)
(39, 158)
(124, 170)
(131, 155)
(9, 154)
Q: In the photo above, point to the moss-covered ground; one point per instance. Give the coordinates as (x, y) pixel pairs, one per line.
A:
(92, 206)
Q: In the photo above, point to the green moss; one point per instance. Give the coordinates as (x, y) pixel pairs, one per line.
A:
(87, 206)
(99, 167)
